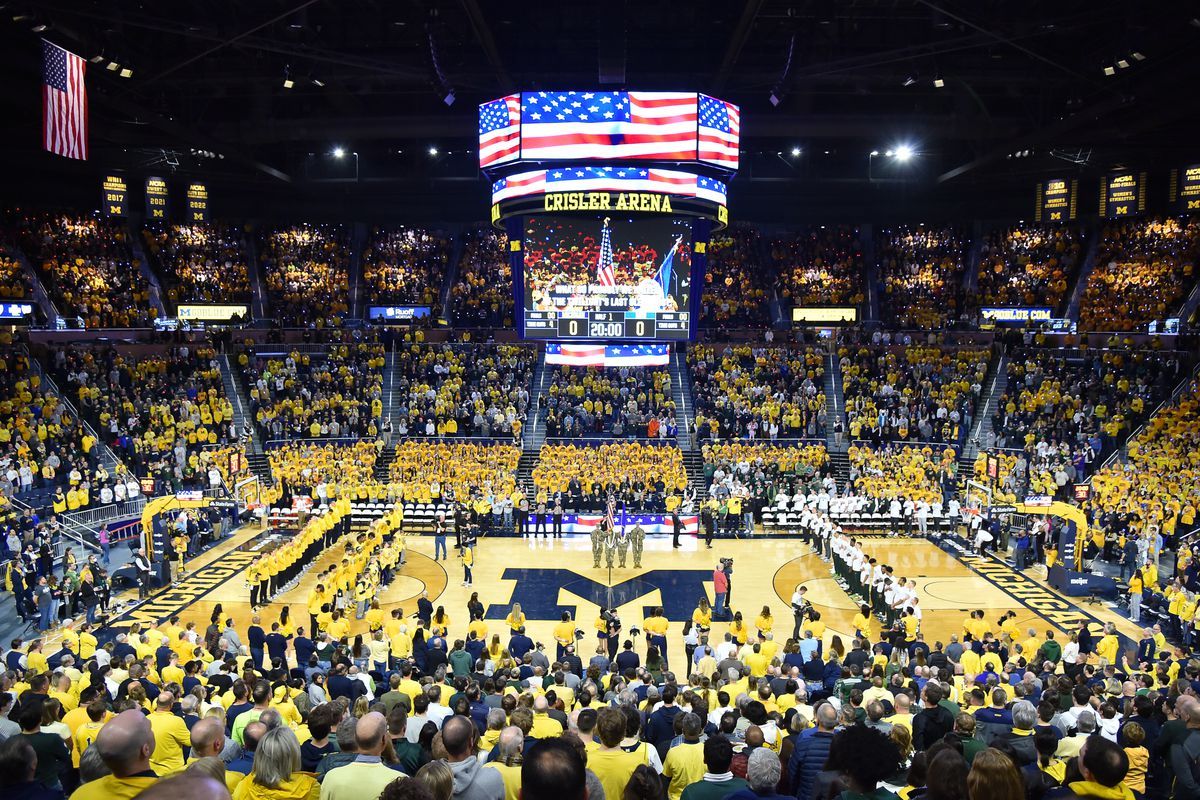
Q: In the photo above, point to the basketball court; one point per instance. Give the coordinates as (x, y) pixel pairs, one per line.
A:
(549, 576)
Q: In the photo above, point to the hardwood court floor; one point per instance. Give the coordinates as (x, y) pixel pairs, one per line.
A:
(549, 576)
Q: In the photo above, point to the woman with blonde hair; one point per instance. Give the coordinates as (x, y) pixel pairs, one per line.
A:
(438, 778)
(276, 774)
(515, 619)
(994, 776)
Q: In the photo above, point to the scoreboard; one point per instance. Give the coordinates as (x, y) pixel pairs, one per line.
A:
(607, 325)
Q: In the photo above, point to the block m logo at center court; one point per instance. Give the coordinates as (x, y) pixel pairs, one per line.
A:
(537, 591)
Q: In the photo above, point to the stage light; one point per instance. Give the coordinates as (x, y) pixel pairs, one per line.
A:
(433, 151)
(1110, 71)
(338, 152)
(113, 66)
(127, 73)
(39, 28)
(874, 153)
(795, 151)
(889, 153)
(96, 59)
(938, 83)
(1122, 63)
(288, 83)
(904, 152)
(1137, 55)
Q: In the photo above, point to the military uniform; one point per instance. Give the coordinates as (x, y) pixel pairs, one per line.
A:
(597, 545)
(622, 546)
(637, 537)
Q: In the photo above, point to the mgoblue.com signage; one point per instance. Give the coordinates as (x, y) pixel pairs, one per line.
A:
(1016, 315)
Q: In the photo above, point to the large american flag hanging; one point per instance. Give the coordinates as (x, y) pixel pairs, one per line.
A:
(591, 125)
(64, 102)
(500, 130)
(608, 179)
(605, 273)
(720, 124)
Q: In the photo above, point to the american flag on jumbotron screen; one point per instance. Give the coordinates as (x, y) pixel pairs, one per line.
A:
(720, 126)
(608, 179)
(64, 102)
(611, 355)
(606, 274)
(500, 130)
(595, 125)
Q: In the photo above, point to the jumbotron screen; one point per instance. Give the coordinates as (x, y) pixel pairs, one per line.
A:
(607, 278)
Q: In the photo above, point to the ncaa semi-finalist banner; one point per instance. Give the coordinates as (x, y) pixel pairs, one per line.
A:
(1056, 200)
(1123, 194)
(156, 199)
(197, 203)
(1185, 188)
(115, 194)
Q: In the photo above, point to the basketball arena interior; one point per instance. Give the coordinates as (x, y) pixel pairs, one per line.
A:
(400, 391)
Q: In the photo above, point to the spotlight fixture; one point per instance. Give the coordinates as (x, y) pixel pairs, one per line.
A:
(938, 83)
(319, 83)
(113, 66)
(39, 28)
(1122, 63)
(904, 152)
(874, 153)
(910, 80)
(126, 73)
(1110, 71)
(889, 153)
(433, 151)
(288, 83)
(338, 152)
(1138, 55)
(795, 151)
(96, 59)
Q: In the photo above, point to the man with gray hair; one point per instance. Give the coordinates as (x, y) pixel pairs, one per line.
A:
(1085, 726)
(365, 777)
(809, 755)
(1024, 718)
(762, 773)
(506, 759)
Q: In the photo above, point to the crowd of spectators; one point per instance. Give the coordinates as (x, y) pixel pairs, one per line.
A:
(751, 475)
(821, 266)
(1028, 265)
(324, 468)
(405, 265)
(306, 269)
(483, 294)
(14, 284)
(643, 475)
(157, 410)
(87, 269)
(431, 472)
(335, 394)
(737, 285)
(917, 393)
(1156, 489)
(204, 263)
(617, 402)
(1144, 269)
(921, 269)
(903, 472)
(1065, 412)
(462, 390)
(755, 392)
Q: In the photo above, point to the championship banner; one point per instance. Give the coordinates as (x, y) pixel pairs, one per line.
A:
(1056, 200)
(156, 199)
(115, 194)
(651, 523)
(197, 203)
(1123, 194)
(1184, 193)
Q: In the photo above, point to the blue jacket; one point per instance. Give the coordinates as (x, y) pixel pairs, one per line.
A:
(808, 758)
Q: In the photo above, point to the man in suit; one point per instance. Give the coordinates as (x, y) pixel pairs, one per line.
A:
(142, 565)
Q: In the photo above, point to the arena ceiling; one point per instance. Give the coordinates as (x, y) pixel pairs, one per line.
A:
(991, 93)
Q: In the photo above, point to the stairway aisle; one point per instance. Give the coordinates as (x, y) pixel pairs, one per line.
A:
(40, 296)
(358, 242)
(534, 434)
(681, 393)
(835, 403)
(233, 392)
(1085, 270)
(383, 464)
(525, 467)
(258, 306)
(143, 262)
(996, 383)
(389, 382)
